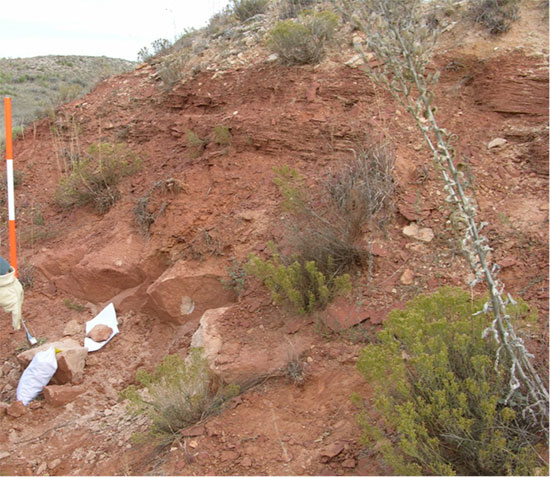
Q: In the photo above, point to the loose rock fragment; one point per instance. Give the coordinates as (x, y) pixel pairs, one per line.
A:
(497, 142)
(425, 234)
(408, 277)
(100, 333)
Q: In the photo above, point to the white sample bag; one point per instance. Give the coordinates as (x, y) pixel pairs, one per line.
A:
(37, 375)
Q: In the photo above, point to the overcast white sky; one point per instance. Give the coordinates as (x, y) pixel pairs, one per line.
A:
(114, 28)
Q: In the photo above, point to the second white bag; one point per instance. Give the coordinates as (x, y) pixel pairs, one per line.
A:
(37, 375)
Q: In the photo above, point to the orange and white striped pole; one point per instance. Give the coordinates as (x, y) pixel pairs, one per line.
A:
(9, 178)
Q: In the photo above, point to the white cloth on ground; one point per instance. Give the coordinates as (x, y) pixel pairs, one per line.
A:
(107, 317)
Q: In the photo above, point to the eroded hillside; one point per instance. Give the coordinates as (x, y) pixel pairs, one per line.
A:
(208, 146)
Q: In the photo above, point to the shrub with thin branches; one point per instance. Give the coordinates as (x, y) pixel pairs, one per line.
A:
(159, 47)
(292, 8)
(145, 212)
(496, 15)
(177, 394)
(326, 228)
(363, 187)
(171, 69)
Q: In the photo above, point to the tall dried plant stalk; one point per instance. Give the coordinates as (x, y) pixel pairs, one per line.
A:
(402, 42)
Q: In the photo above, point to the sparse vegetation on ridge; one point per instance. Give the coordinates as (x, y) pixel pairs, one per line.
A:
(158, 47)
(292, 8)
(245, 9)
(38, 85)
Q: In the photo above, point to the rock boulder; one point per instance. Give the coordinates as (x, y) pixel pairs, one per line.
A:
(60, 395)
(70, 366)
(236, 358)
(186, 291)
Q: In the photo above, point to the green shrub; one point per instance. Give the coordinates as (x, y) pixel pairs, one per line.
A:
(171, 69)
(496, 15)
(245, 9)
(68, 92)
(300, 283)
(195, 143)
(94, 178)
(302, 41)
(222, 135)
(291, 185)
(177, 394)
(72, 305)
(441, 395)
(237, 277)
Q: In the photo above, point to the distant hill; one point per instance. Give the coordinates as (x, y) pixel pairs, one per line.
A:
(36, 85)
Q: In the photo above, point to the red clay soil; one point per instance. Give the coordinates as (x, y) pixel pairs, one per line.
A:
(228, 206)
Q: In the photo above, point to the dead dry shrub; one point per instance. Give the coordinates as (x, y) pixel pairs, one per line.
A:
(202, 244)
(26, 274)
(363, 187)
(146, 212)
(327, 229)
(496, 15)
(296, 371)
